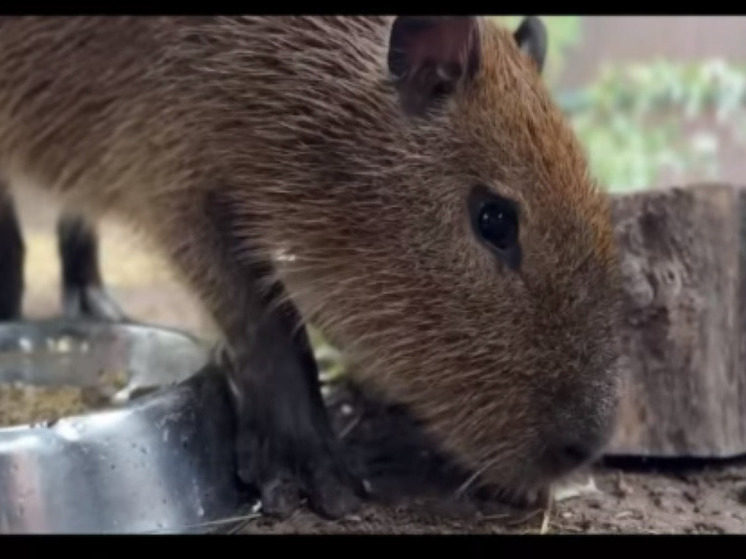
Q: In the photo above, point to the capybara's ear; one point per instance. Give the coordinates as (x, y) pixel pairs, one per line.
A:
(430, 57)
(531, 37)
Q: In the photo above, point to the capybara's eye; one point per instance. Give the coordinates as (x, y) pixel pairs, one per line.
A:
(494, 221)
(498, 224)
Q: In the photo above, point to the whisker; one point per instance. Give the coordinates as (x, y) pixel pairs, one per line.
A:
(469, 482)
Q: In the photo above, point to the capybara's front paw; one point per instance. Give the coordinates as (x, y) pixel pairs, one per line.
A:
(288, 473)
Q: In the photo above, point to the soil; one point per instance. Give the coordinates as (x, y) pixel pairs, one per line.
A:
(414, 487)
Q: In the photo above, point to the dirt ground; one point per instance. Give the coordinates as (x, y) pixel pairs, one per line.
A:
(414, 489)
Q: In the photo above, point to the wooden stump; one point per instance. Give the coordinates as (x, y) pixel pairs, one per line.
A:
(684, 267)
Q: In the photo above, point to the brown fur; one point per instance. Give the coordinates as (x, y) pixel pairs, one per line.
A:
(290, 130)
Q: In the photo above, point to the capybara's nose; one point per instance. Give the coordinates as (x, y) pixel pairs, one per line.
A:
(568, 455)
(576, 453)
(572, 451)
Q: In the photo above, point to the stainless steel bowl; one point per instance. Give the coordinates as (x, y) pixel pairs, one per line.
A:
(158, 462)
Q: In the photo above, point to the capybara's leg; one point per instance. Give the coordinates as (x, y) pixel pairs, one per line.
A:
(83, 291)
(285, 445)
(11, 258)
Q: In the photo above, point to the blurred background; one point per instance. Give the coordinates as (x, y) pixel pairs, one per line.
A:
(657, 101)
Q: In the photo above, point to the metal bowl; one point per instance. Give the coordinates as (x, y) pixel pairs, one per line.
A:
(159, 462)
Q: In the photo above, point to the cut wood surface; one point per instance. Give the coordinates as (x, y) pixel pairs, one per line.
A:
(682, 258)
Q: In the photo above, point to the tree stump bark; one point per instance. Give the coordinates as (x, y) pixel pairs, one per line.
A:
(683, 262)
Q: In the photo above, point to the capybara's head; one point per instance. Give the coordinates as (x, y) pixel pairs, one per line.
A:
(468, 260)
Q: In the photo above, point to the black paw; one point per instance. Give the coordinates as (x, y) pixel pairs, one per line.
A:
(333, 491)
(284, 478)
(91, 302)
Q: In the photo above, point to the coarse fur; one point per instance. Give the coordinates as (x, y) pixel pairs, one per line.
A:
(231, 139)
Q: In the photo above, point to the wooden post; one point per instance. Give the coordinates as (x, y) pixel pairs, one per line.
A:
(683, 259)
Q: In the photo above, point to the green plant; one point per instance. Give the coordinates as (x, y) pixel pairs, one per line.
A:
(633, 120)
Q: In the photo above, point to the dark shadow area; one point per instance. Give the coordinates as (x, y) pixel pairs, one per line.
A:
(670, 465)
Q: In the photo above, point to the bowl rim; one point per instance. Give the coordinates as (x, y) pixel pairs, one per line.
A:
(129, 405)
(104, 324)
